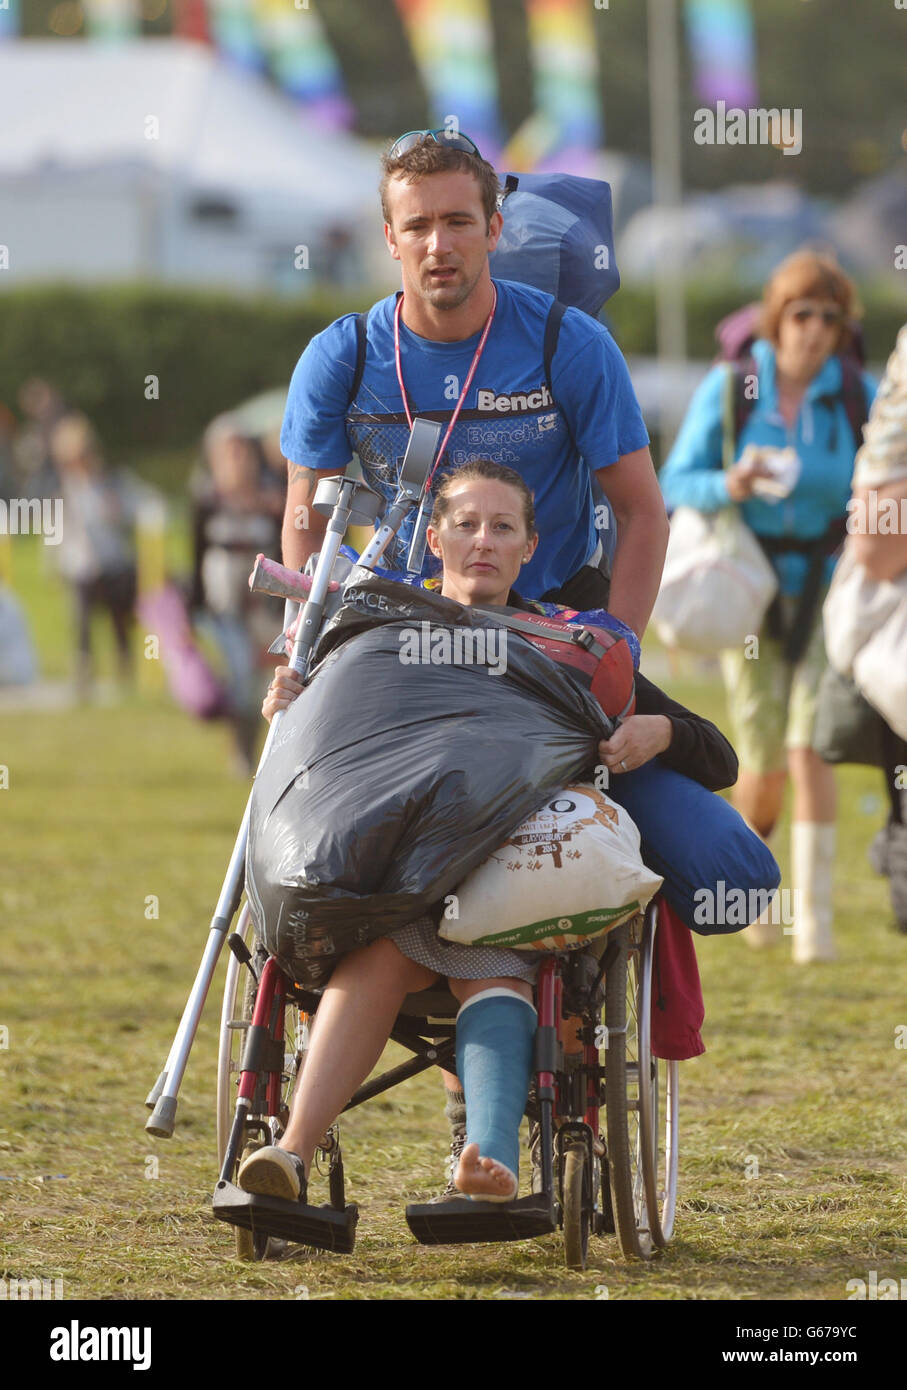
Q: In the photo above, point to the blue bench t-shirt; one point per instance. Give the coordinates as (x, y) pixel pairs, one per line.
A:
(509, 415)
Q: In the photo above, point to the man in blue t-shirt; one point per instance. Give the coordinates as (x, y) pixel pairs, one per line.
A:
(464, 348)
(467, 348)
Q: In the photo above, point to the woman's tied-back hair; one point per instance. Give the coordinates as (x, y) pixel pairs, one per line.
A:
(430, 158)
(809, 275)
(483, 469)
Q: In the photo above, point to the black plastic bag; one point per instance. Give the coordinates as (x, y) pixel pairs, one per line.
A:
(393, 776)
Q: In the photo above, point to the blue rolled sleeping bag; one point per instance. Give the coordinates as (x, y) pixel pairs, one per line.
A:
(718, 875)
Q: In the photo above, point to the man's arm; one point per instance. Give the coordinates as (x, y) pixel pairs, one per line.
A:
(303, 528)
(631, 487)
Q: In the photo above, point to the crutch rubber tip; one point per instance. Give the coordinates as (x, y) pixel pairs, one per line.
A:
(154, 1094)
(162, 1121)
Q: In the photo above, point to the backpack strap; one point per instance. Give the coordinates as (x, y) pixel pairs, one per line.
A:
(552, 333)
(853, 395)
(571, 636)
(738, 407)
(361, 346)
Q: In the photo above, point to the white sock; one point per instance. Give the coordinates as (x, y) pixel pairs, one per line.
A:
(812, 860)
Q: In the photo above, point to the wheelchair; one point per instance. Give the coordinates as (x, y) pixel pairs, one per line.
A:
(596, 1175)
(593, 1049)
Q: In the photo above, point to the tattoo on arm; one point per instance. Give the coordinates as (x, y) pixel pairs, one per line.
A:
(296, 473)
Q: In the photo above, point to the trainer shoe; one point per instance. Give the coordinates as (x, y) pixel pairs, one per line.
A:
(457, 1145)
(273, 1172)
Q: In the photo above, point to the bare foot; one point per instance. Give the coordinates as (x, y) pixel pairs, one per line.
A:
(484, 1178)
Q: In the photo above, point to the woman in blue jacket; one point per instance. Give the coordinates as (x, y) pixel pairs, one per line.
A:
(798, 392)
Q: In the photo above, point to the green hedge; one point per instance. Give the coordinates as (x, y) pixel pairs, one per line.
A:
(210, 351)
(631, 315)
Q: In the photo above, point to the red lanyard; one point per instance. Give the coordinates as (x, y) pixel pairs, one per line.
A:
(466, 385)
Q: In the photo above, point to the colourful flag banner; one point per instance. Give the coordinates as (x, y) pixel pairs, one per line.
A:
(234, 31)
(112, 19)
(302, 60)
(722, 48)
(9, 20)
(453, 46)
(566, 83)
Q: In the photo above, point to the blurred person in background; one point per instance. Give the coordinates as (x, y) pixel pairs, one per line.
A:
(881, 467)
(809, 306)
(43, 408)
(7, 453)
(97, 554)
(238, 503)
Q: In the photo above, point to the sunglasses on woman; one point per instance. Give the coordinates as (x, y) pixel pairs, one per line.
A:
(450, 139)
(802, 313)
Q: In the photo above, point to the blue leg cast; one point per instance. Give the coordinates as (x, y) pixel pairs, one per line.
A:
(495, 1037)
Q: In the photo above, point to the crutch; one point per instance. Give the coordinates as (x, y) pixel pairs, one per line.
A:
(347, 502)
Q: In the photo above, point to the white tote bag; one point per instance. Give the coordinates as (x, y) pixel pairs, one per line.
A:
(865, 624)
(716, 584)
(568, 874)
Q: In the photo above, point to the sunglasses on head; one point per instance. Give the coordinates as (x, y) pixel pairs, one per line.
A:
(802, 313)
(449, 139)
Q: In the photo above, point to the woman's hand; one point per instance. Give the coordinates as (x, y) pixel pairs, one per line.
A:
(742, 476)
(637, 739)
(283, 690)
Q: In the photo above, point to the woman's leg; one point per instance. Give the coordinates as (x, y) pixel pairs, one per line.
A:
(353, 1023)
(759, 797)
(495, 1035)
(812, 854)
(814, 812)
(758, 686)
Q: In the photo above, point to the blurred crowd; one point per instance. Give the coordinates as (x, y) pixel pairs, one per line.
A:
(236, 495)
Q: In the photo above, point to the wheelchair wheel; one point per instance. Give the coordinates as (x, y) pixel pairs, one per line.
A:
(622, 1105)
(577, 1187)
(236, 1014)
(658, 1095)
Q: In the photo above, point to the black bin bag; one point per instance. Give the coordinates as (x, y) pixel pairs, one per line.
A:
(425, 735)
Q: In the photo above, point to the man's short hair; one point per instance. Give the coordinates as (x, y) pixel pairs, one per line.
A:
(430, 158)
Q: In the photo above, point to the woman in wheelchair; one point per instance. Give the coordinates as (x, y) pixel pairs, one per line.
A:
(483, 531)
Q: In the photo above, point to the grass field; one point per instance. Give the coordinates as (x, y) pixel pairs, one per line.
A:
(116, 827)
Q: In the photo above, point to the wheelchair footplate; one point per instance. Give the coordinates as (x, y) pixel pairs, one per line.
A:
(464, 1222)
(324, 1227)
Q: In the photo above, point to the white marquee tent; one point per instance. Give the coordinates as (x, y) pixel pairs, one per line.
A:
(154, 159)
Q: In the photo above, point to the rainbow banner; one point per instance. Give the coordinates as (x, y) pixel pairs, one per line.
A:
(234, 31)
(9, 20)
(302, 60)
(453, 46)
(722, 51)
(112, 19)
(567, 121)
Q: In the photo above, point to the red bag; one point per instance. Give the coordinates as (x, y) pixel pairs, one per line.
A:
(678, 1010)
(600, 659)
